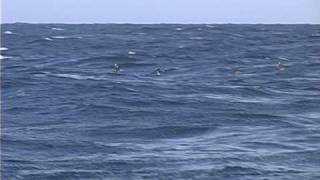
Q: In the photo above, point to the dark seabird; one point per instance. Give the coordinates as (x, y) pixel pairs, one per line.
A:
(236, 71)
(160, 71)
(280, 66)
(116, 68)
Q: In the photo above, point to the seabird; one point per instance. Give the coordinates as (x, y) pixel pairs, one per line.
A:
(159, 71)
(236, 71)
(280, 66)
(116, 68)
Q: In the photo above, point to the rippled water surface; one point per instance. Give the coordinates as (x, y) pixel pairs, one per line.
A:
(189, 102)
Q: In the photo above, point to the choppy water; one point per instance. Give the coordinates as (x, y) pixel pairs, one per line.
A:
(219, 108)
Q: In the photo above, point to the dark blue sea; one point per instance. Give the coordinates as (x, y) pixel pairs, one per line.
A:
(207, 102)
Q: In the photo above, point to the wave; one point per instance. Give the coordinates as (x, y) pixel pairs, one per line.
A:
(283, 58)
(57, 29)
(75, 76)
(210, 26)
(59, 37)
(196, 38)
(162, 132)
(316, 35)
(239, 99)
(48, 39)
(3, 49)
(5, 57)
(67, 37)
(8, 32)
(131, 52)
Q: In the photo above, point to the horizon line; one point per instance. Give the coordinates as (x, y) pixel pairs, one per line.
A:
(160, 23)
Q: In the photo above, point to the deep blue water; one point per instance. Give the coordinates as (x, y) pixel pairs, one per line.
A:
(219, 107)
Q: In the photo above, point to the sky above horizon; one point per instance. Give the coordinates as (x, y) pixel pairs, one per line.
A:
(161, 11)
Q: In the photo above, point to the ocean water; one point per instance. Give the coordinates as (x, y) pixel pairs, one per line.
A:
(189, 102)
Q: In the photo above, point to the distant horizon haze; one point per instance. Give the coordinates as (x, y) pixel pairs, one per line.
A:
(162, 11)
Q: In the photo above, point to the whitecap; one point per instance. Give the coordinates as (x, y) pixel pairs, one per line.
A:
(131, 52)
(21, 93)
(179, 29)
(283, 58)
(181, 47)
(133, 90)
(242, 99)
(279, 33)
(67, 37)
(4, 57)
(236, 35)
(48, 39)
(57, 29)
(8, 32)
(3, 49)
(311, 115)
(315, 35)
(76, 76)
(210, 26)
(39, 75)
(59, 37)
(196, 38)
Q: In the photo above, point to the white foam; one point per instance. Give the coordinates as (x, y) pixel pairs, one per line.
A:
(76, 76)
(4, 57)
(21, 93)
(313, 115)
(283, 58)
(39, 75)
(179, 29)
(57, 29)
(3, 49)
(196, 38)
(316, 35)
(210, 26)
(133, 90)
(73, 76)
(236, 35)
(59, 37)
(8, 32)
(279, 33)
(67, 37)
(242, 99)
(131, 52)
(48, 39)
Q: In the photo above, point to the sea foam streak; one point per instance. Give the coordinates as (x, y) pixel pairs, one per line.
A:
(8, 32)
(5, 57)
(59, 37)
(75, 76)
(3, 49)
(48, 39)
(131, 52)
(57, 29)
